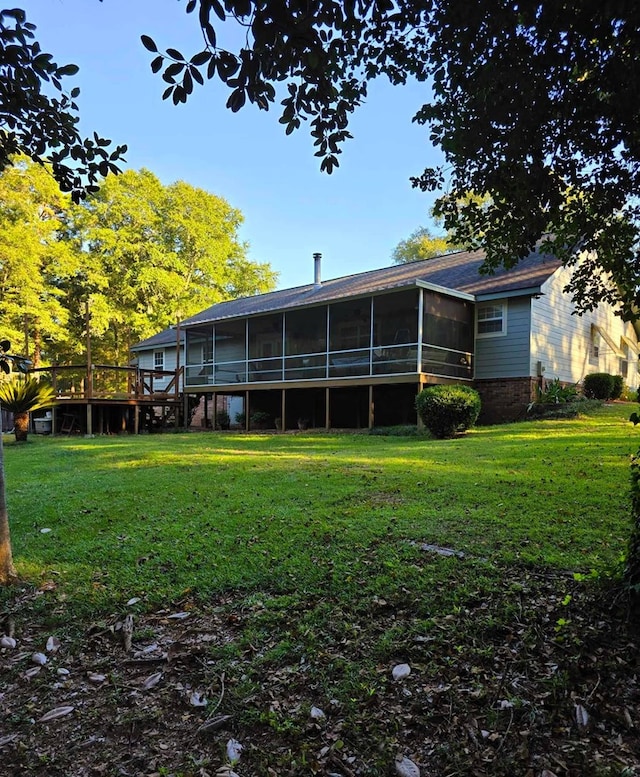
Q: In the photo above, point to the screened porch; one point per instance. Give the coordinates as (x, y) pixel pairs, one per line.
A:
(411, 332)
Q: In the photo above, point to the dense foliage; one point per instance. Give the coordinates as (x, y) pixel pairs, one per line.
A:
(533, 104)
(141, 254)
(39, 118)
(447, 410)
(421, 244)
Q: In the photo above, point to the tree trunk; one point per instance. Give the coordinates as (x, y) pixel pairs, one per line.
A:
(21, 426)
(8, 573)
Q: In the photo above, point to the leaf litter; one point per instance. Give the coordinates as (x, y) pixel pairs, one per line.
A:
(512, 683)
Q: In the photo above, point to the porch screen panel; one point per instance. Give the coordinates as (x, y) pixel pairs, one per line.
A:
(199, 356)
(350, 338)
(265, 347)
(306, 331)
(230, 338)
(350, 325)
(395, 332)
(447, 336)
(306, 343)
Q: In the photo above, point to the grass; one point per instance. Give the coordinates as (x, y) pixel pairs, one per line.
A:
(299, 558)
(161, 517)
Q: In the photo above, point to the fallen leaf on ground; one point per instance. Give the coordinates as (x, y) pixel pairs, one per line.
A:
(56, 712)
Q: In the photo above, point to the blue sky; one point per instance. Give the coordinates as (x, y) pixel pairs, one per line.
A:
(354, 217)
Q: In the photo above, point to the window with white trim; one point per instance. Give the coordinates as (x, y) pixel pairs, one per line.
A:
(492, 319)
(158, 360)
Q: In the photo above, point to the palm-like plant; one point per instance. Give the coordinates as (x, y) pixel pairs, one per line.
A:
(21, 398)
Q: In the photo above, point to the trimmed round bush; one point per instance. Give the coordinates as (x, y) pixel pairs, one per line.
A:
(446, 410)
(598, 385)
(618, 386)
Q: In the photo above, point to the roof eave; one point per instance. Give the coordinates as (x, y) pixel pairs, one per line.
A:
(530, 291)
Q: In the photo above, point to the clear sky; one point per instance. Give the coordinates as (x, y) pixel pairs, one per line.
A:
(354, 217)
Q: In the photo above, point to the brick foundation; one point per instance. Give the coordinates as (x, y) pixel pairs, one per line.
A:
(505, 399)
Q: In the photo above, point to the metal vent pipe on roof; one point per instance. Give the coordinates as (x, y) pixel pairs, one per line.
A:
(317, 269)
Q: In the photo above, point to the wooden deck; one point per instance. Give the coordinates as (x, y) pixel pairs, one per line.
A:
(107, 399)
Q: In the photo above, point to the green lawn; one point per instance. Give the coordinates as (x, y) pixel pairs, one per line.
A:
(275, 574)
(156, 516)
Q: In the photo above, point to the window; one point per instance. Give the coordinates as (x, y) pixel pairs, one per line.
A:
(624, 360)
(492, 320)
(594, 345)
(158, 360)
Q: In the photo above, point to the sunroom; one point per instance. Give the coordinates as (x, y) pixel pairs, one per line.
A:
(350, 362)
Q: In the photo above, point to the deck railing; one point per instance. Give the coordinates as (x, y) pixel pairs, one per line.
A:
(104, 381)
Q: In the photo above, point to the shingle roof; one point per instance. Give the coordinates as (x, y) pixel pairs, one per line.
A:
(458, 272)
(166, 337)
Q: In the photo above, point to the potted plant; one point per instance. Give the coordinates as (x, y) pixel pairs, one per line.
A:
(303, 423)
(260, 420)
(224, 422)
(241, 419)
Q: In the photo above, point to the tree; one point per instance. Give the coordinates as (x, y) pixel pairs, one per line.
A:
(533, 104)
(141, 253)
(7, 569)
(420, 245)
(151, 254)
(33, 258)
(44, 126)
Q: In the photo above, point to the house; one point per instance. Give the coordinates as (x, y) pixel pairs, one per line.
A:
(159, 353)
(353, 352)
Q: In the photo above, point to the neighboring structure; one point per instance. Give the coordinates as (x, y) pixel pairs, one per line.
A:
(353, 352)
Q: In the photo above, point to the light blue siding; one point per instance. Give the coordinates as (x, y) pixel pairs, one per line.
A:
(507, 356)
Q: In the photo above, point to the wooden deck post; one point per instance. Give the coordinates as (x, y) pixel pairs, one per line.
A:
(327, 408)
(371, 408)
(283, 410)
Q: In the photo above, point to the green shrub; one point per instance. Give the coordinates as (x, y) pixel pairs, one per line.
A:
(580, 406)
(260, 419)
(445, 410)
(618, 386)
(598, 385)
(555, 393)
